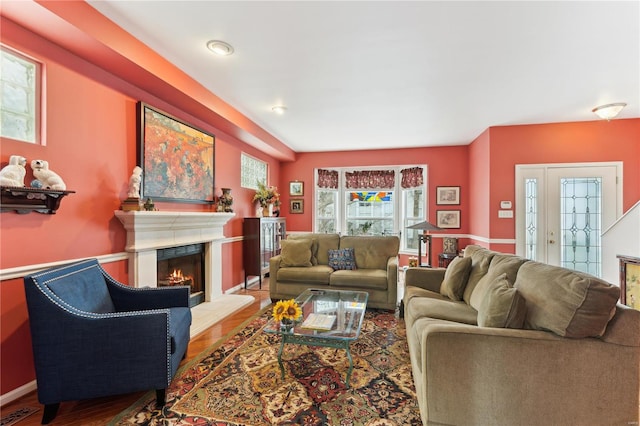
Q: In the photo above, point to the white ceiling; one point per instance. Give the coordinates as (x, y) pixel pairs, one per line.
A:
(367, 75)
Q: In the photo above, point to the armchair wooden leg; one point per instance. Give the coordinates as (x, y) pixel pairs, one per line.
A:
(50, 411)
(161, 395)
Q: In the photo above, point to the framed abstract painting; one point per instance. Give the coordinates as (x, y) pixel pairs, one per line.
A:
(177, 159)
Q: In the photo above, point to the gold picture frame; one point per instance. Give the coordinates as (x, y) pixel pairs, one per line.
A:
(296, 206)
(296, 188)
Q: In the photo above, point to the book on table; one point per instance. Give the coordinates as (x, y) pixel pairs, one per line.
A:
(319, 321)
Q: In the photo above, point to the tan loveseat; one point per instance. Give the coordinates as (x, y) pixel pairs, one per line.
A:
(304, 263)
(526, 344)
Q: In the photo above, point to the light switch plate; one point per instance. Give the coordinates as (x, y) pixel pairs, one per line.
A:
(505, 214)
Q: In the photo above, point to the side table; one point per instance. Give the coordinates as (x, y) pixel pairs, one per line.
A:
(444, 259)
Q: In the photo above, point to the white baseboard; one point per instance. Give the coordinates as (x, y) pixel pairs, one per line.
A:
(18, 392)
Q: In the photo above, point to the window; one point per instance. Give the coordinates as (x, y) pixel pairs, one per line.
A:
(252, 171)
(413, 203)
(369, 212)
(19, 97)
(371, 202)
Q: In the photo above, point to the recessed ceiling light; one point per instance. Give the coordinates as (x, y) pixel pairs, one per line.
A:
(220, 47)
(609, 111)
(279, 109)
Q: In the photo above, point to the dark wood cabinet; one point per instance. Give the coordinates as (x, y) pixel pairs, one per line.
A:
(261, 242)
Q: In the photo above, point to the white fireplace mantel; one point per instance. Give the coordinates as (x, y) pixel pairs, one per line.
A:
(149, 231)
(153, 230)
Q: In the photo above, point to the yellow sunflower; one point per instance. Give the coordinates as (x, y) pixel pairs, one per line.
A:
(288, 309)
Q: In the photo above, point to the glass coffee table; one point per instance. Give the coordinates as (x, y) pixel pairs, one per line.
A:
(330, 318)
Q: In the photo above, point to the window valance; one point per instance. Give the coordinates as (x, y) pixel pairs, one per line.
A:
(327, 179)
(371, 179)
(412, 177)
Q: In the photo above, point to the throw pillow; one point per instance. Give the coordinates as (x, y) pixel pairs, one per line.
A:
(295, 252)
(502, 305)
(455, 278)
(342, 259)
(500, 264)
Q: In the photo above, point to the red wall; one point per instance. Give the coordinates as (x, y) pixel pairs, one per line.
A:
(592, 141)
(479, 185)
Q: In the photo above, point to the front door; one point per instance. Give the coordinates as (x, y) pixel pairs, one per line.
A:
(562, 210)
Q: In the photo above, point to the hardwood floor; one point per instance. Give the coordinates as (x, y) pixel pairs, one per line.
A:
(100, 411)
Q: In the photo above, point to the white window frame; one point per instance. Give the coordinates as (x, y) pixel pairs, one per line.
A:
(35, 91)
(398, 200)
(249, 179)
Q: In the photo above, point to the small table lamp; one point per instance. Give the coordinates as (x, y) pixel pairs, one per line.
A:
(426, 237)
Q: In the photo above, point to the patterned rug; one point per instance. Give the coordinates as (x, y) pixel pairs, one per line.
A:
(238, 382)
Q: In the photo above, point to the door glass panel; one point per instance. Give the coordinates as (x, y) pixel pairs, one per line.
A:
(581, 218)
(531, 218)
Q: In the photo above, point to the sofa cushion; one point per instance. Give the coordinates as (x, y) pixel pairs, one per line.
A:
(480, 260)
(455, 278)
(502, 306)
(361, 278)
(85, 290)
(372, 252)
(568, 303)
(500, 264)
(295, 252)
(321, 247)
(445, 309)
(341, 259)
(312, 274)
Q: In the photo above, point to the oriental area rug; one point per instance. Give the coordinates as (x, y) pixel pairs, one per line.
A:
(237, 381)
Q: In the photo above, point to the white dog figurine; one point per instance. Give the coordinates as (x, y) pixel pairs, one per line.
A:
(13, 173)
(49, 179)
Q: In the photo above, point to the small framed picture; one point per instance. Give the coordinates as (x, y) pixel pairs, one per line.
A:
(448, 195)
(448, 218)
(296, 189)
(296, 206)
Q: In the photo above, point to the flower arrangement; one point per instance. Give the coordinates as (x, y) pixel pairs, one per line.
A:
(267, 195)
(286, 310)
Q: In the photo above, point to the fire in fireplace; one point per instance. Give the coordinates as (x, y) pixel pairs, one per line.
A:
(183, 265)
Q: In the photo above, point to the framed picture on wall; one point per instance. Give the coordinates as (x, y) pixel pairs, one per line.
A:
(296, 206)
(296, 189)
(177, 159)
(448, 195)
(630, 281)
(448, 218)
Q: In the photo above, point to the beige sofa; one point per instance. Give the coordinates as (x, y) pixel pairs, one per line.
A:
(304, 263)
(526, 344)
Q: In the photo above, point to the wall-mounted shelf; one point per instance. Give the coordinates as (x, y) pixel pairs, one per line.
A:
(27, 200)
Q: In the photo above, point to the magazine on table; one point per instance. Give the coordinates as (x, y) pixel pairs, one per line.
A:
(319, 321)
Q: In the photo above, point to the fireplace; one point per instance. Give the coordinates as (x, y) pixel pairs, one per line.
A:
(183, 265)
(151, 233)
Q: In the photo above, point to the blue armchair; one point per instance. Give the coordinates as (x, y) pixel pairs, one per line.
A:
(93, 336)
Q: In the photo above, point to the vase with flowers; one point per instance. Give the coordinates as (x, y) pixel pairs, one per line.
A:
(287, 312)
(268, 197)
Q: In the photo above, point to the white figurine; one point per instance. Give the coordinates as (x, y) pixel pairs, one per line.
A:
(134, 183)
(13, 173)
(49, 179)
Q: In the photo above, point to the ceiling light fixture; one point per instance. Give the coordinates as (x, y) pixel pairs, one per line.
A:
(609, 111)
(220, 48)
(279, 109)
